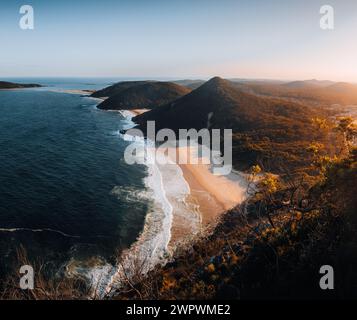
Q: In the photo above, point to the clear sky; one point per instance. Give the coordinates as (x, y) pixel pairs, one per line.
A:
(279, 39)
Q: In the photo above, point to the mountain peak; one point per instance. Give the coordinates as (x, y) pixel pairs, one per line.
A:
(216, 83)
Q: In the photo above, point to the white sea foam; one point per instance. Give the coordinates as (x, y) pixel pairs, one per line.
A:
(38, 230)
(151, 246)
(167, 191)
(127, 114)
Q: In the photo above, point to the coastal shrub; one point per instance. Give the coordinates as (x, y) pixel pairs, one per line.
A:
(247, 257)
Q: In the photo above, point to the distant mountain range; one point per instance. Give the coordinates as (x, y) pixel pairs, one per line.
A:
(12, 85)
(229, 106)
(318, 92)
(191, 84)
(269, 119)
(309, 83)
(323, 92)
(141, 95)
(344, 87)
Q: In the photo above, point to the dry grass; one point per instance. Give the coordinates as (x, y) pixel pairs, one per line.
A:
(44, 289)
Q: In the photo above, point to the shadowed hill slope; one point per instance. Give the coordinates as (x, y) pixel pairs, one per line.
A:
(148, 95)
(116, 88)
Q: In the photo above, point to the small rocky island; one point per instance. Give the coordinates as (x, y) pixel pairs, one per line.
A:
(12, 85)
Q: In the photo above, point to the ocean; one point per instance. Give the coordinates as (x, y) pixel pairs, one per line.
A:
(66, 194)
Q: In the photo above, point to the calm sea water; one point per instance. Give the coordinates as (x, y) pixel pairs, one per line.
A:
(65, 190)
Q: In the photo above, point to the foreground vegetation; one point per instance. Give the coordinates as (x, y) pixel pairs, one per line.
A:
(274, 251)
(274, 245)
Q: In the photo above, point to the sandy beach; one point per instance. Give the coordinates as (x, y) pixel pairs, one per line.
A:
(213, 194)
(210, 195)
(139, 111)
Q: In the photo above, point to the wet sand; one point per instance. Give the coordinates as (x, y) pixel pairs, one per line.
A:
(212, 195)
(139, 111)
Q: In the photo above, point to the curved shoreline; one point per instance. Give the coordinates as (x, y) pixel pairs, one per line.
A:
(187, 198)
(154, 244)
(206, 197)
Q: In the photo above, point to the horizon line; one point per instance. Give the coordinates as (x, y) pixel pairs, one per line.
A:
(174, 78)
